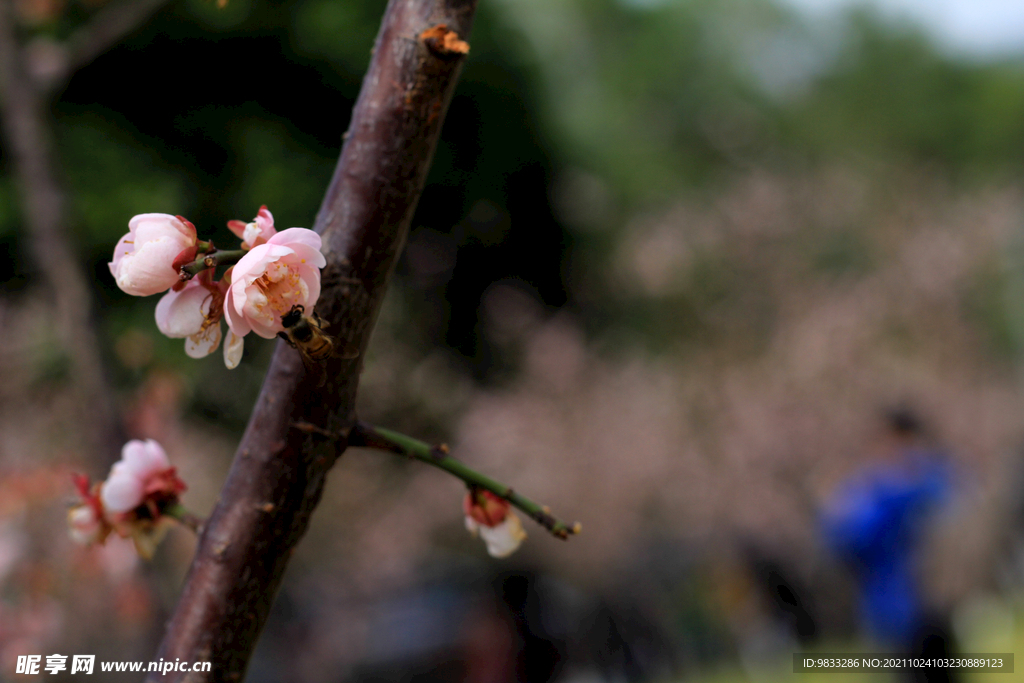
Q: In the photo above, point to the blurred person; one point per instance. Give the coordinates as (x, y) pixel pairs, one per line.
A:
(876, 522)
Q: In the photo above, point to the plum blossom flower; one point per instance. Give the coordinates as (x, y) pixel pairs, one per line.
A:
(145, 259)
(142, 473)
(194, 313)
(137, 500)
(272, 278)
(492, 518)
(256, 232)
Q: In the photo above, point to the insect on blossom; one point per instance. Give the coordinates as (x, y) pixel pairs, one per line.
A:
(278, 272)
(273, 278)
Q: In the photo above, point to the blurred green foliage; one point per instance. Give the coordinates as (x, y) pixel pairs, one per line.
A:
(889, 93)
(607, 108)
(111, 176)
(341, 33)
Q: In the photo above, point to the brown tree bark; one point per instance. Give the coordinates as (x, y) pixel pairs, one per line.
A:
(278, 472)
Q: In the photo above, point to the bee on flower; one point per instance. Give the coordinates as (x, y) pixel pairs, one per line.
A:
(273, 278)
(274, 273)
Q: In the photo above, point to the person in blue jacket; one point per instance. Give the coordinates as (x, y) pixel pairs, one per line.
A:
(876, 523)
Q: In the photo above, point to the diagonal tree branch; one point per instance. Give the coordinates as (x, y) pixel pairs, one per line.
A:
(102, 31)
(106, 28)
(278, 473)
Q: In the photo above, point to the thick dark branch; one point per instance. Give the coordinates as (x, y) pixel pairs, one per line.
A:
(278, 473)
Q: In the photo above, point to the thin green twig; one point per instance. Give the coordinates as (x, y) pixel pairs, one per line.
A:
(375, 437)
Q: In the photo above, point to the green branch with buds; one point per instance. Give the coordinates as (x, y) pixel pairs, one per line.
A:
(368, 436)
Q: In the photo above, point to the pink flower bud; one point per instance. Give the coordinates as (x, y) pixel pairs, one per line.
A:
(144, 258)
(122, 491)
(272, 278)
(492, 518)
(257, 232)
(144, 458)
(142, 471)
(485, 508)
(133, 501)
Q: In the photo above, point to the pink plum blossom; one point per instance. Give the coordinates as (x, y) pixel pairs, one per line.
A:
(492, 518)
(258, 231)
(144, 258)
(272, 278)
(193, 313)
(136, 501)
(143, 466)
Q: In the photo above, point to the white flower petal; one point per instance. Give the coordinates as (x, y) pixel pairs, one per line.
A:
(141, 458)
(251, 232)
(233, 350)
(204, 342)
(121, 492)
(182, 314)
(158, 460)
(134, 459)
(503, 540)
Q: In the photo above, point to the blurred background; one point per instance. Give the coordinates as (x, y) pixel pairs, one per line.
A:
(674, 260)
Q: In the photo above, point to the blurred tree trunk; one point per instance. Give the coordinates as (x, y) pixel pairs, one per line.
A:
(278, 472)
(25, 98)
(29, 141)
